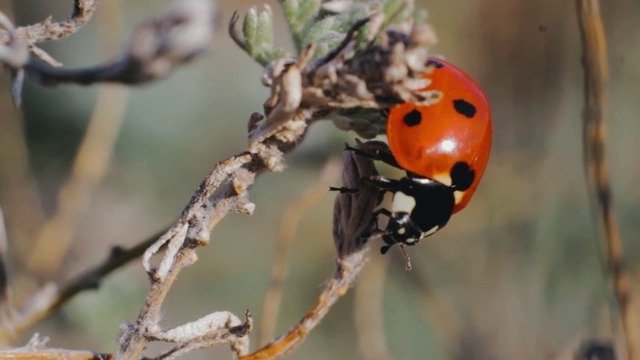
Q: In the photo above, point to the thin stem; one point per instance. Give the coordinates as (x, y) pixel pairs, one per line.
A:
(594, 138)
(288, 227)
(90, 165)
(88, 280)
(347, 270)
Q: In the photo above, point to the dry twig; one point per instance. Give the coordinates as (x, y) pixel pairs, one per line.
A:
(156, 47)
(55, 237)
(369, 313)
(302, 91)
(52, 297)
(36, 350)
(594, 138)
(357, 73)
(347, 269)
(48, 30)
(89, 168)
(290, 221)
(351, 228)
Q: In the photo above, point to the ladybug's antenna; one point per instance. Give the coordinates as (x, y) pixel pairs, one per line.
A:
(407, 258)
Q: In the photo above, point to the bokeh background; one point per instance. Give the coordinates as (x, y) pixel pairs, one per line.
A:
(516, 275)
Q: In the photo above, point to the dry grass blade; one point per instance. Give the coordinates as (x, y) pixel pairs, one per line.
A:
(596, 81)
(368, 311)
(91, 162)
(347, 269)
(288, 227)
(89, 168)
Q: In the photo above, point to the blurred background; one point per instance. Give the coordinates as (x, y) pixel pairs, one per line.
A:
(516, 275)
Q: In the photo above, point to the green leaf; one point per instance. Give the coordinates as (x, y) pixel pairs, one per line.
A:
(250, 29)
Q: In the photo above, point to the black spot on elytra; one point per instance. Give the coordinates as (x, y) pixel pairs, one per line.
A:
(413, 118)
(462, 176)
(464, 108)
(437, 64)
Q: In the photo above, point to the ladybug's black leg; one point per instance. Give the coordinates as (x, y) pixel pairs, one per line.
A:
(380, 182)
(383, 183)
(375, 150)
(343, 190)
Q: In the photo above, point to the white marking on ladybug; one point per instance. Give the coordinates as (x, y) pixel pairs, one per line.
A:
(444, 179)
(410, 241)
(403, 203)
(458, 196)
(431, 231)
(401, 231)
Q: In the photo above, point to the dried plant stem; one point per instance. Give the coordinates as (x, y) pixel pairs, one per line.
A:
(347, 269)
(435, 309)
(47, 30)
(594, 137)
(36, 350)
(89, 167)
(290, 221)
(301, 91)
(53, 354)
(192, 230)
(369, 312)
(90, 164)
(88, 280)
(18, 191)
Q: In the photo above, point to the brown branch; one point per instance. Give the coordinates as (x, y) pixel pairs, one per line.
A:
(90, 164)
(156, 48)
(290, 221)
(368, 311)
(594, 139)
(36, 350)
(53, 354)
(89, 168)
(45, 30)
(301, 92)
(52, 298)
(48, 30)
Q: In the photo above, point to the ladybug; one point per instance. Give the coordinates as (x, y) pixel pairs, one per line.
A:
(444, 149)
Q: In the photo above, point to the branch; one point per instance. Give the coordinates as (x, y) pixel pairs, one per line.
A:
(302, 91)
(347, 269)
(288, 227)
(51, 298)
(352, 226)
(368, 311)
(35, 350)
(156, 48)
(594, 139)
(48, 30)
(90, 165)
(28, 36)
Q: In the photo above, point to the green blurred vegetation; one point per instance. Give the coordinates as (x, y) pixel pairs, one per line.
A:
(519, 268)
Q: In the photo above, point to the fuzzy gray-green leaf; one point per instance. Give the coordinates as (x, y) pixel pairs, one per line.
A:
(264, 35)
(250, 30)
(329, 23)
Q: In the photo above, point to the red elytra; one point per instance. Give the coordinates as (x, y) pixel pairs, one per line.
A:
(448, 141)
